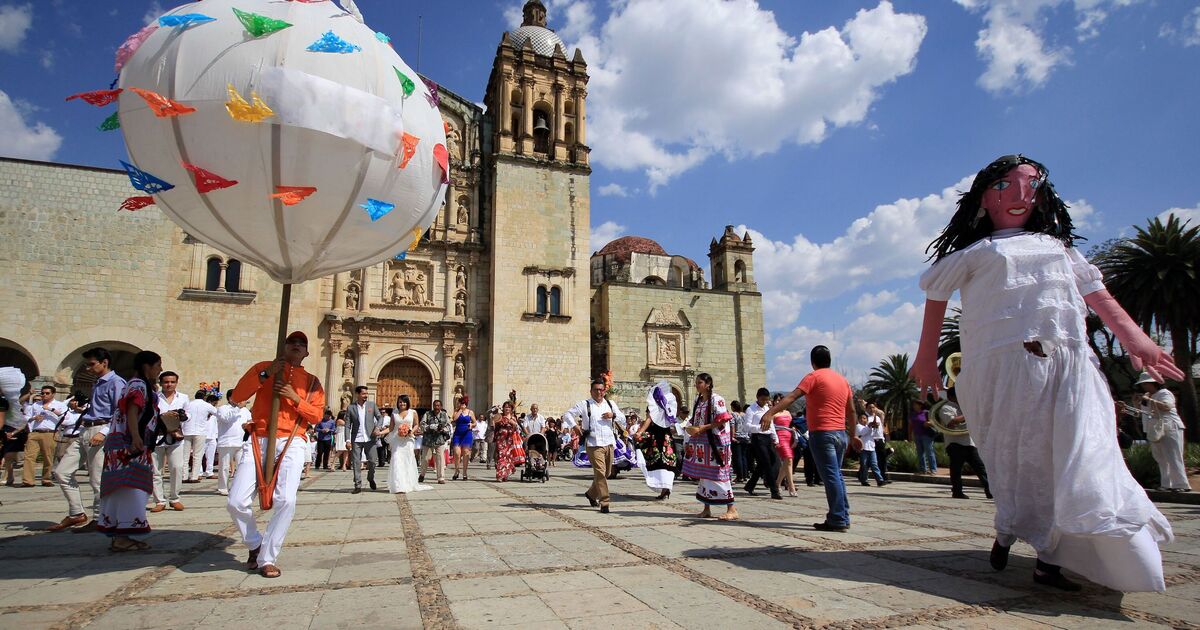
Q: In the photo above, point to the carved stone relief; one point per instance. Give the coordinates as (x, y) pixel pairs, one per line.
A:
(409, 283)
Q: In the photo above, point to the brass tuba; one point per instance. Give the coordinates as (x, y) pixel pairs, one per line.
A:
(953, 368)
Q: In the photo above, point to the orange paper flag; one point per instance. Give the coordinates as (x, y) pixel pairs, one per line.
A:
(409, 144)
(163, 107)
(292, 195)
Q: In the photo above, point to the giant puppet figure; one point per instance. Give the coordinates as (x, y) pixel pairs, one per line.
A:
(1039, 406)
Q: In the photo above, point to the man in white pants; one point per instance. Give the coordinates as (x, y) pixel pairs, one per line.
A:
(170, 451)
(301, 402)
(230, 418)
(200, 412)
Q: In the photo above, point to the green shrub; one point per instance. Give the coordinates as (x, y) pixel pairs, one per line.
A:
(1145, 470)
(904, 459)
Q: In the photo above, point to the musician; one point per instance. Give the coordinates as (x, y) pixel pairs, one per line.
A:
(300, 406)
(959, 446)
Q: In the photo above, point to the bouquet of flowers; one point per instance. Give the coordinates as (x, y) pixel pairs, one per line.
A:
(404, 430)
(211, 389)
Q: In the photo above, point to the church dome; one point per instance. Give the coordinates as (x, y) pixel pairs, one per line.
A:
(541, 38)
(623, 248)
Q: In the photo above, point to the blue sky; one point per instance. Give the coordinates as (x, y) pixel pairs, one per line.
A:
(836, 131)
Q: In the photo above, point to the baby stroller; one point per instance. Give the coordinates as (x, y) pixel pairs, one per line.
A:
(537, 450)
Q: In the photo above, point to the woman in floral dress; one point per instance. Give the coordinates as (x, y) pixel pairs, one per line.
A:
(128, 473)
(510, 450)
(654, 438)
(707, 454)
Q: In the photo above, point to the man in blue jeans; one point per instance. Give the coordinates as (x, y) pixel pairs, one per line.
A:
(831, 420)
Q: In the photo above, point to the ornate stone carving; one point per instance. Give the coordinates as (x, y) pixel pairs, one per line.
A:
(668, 350)
(460, 368)
(364, 347)
(410, 284)
(460, 278)
(460, 304)
(353, 294)
(348, 366)
(454, 142)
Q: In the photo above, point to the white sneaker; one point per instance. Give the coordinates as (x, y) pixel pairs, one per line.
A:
(223, 493)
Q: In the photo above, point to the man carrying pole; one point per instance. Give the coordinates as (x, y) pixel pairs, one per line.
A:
(299, 400)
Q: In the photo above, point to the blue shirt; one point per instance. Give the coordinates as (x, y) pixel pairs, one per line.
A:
(325, 429)
(105, 394)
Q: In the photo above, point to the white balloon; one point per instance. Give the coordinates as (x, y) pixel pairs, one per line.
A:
(337, 126)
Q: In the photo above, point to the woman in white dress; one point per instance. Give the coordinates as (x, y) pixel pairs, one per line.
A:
(653, 437)
(401, 437)
(1039, 407)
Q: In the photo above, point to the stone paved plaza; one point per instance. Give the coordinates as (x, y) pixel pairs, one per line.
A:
(481, 554)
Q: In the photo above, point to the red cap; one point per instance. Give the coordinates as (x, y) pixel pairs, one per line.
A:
(297, 336)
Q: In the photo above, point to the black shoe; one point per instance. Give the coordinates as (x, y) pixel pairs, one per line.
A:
(959, 495)
(885, 482)
(455, 477)
(1057, 581)
(356, 490)
(999, 556)
(372, 482)
(826, 527)
(592, 501)
(865, 483)
(777, 496)
(604, 509)
(748, 490)
(420, 478)
(987, 495)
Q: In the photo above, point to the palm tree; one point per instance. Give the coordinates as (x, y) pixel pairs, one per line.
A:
(949, 343)
(892, 388)
(1155, 275)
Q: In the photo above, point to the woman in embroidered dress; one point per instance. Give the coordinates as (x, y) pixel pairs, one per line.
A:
(401, 437)
(654, 438)
(1039, 407)
(510, 452)
(707, 453)
(128, 473)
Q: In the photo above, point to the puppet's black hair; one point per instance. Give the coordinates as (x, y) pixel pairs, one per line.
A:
(1049, 214)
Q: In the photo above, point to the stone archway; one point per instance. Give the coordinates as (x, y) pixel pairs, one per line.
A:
(72, 370)
(405, 376)
(13, 354)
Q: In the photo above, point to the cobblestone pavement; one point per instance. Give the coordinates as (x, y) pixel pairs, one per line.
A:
(474, 554)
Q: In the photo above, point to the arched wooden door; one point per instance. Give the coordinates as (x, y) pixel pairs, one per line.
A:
(405, 376)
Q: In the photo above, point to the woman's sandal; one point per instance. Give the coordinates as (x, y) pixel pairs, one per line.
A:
(128, 545)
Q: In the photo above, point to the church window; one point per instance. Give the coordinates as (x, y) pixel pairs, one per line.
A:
(233, 276)
(541, 300)
(555, 301)
(212, 274)
(569, 133)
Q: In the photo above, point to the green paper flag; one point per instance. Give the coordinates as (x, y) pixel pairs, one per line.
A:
(259, 25)
(111, 123)
(408, 84)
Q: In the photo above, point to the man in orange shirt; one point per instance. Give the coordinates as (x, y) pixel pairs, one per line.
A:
(301, 404)
(831, 418)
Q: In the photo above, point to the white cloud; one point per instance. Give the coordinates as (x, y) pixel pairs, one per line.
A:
(47, 59)
(674, 82)
(153, 12)
(868, 302)
(1187, 33)
(1013, 41)
(612, 190)
(38, 141)
(1184, 214)
(15, 20)
(604, 233)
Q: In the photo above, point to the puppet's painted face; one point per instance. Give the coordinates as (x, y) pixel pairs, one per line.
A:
(1010, 199)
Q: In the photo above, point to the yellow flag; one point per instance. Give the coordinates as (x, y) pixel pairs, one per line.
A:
(241, 110)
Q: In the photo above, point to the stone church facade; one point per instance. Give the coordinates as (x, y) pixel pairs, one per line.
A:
(500, 294)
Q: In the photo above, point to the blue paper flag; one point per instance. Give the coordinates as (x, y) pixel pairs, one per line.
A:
(144, 181)
(401, 256)
(382, 37)
(184, 20)
(331, 43)
(376, 208)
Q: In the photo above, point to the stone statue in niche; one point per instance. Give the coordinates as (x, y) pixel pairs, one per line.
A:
(345, 397)
(418, 288)
(462, 215)
(460, 304)
(348, 366)
(399, 290)
(739, 273)
(352, 297)
(460, 278)
(460, 368)
(453, 143)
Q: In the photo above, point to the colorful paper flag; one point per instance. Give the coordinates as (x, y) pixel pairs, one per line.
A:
(331, 43)
(416, 239)
(184, 20)
(259, 25)
(132, 43)
(442, 156)
(163, 107)
(382, 37)
(207, 181)
(405, 82)
(292, 195)
(144, 181)
(408, 147)
(99, 98)
(111, 123)
(136, 203)
(239, 109)
(433, 97)
(376, 209)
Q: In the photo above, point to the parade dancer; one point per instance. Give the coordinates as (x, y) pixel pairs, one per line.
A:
(1040, 409)
(301, 403)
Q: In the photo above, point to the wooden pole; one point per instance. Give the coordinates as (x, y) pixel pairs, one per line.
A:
(273, 421)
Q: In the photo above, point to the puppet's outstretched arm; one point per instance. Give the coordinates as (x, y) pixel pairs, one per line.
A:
(924, 369)
(1143, 352)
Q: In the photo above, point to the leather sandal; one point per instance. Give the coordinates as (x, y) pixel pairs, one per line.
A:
(269, 571)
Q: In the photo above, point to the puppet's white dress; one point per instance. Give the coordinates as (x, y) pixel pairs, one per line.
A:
(1045, 426)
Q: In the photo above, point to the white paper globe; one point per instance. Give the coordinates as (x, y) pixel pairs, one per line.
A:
(337, 126)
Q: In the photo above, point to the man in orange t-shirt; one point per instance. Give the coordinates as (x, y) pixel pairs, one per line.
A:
(831, 419)
(301, 404)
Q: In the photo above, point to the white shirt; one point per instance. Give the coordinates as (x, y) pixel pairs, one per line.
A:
(754, 414)
(229, 425)
(948, 412)
(199, 415)
(865, 433)
(177, 402)
(362, 435)
(1152, 417)
(45, 417)
(481, 429)
(535, 424)
(590, 414)
(69, 421)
